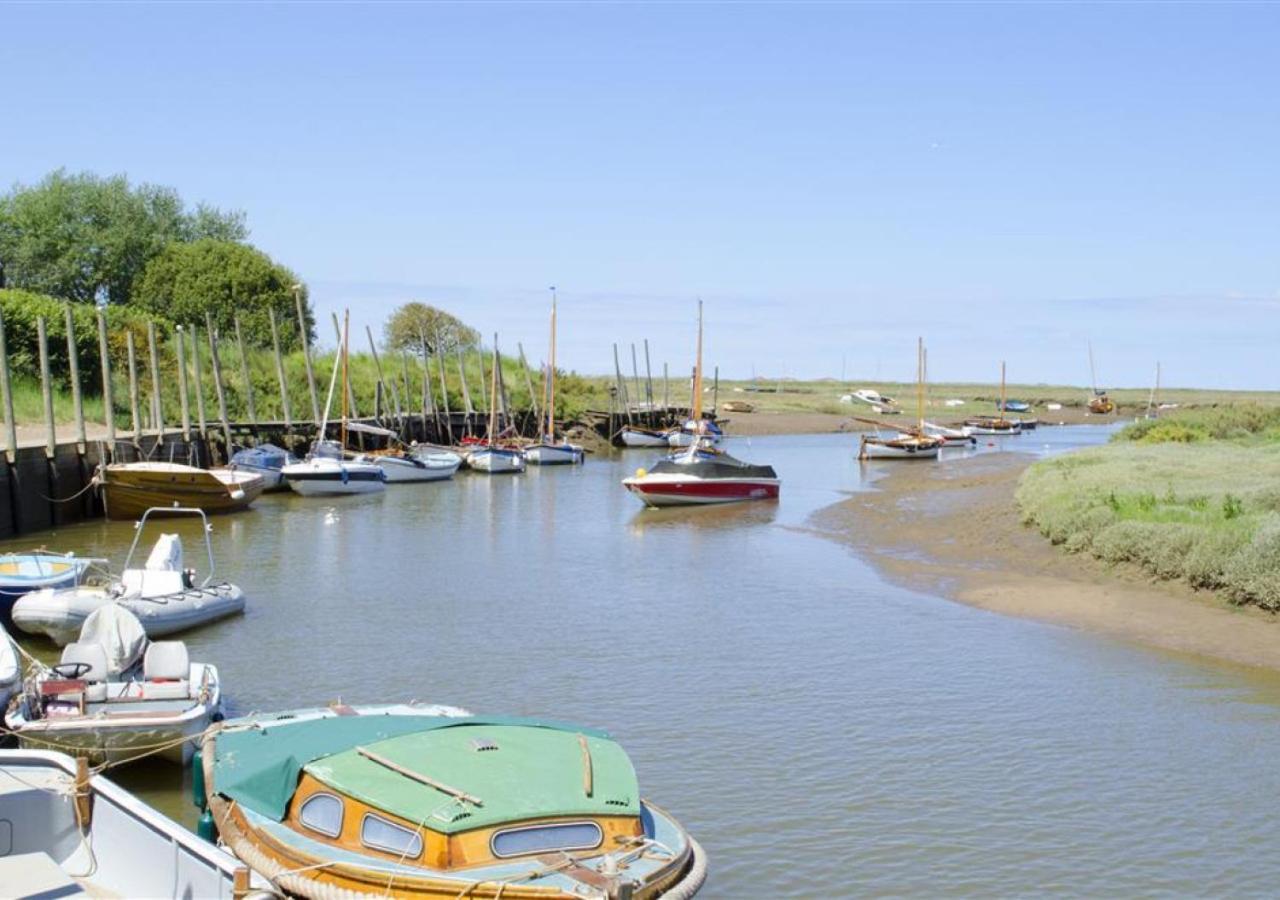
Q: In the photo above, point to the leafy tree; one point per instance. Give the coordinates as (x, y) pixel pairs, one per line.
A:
(416, 327)
(80, 236)
(226, 280)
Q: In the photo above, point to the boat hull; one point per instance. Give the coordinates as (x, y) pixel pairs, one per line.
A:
(403, 471)
(875, 449)
(662, 491)
(496, 462)
(59, 615)
(124, 734)
(328, 477)
(554, 454)
(631, 437)
(130, 489)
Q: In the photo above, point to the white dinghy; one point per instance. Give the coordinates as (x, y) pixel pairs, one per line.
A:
(82, 835)
(116, 696)
(645, 437)
(401, 468)
(162, 594)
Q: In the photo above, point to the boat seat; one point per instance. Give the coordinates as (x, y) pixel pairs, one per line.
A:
(152, 582)
(95, 657)
(166, 668)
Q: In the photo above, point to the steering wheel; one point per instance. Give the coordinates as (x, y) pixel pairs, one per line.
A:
(73, 670)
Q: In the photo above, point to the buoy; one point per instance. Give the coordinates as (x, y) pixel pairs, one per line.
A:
(640, 473)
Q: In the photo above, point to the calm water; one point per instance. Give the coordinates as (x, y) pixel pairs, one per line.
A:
(821, 732)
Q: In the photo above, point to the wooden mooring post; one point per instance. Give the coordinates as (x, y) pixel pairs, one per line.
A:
(46, 387)
(244, 374)
(134, 413)
(216, 365)
(108, 402)
(199, 382)
(77, 398)
(306, 353)
(157, 406)
(284, 385)
(10, 424)
(183, 400)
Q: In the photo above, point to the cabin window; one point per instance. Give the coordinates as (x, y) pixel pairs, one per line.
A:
(322, 813)
(541, 838)
(378, 833)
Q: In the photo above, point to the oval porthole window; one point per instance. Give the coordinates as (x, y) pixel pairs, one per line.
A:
(322, 813)
(378, 833)
(541, 838)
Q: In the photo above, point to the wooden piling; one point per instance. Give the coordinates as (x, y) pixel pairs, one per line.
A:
(195, 360)
(183, 400)
(157, 409)
(648, 376)
(351, 392)
(635, 372)
(469, 415)
(46, 387)
(284, 384)
(444, 389)
(622, 386)
(715, 391)
(244, 374)
(10, 425)
(489, 404)
(107, 402)
(377, 364)
(134, 412)
(666, 388)
(216, 365)
(404, 373)
(306, 353)
(73, 364)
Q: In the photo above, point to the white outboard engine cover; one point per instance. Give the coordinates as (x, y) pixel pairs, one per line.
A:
(119, 633)
(166, 555)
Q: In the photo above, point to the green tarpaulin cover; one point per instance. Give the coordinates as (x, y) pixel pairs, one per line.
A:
(518, 768)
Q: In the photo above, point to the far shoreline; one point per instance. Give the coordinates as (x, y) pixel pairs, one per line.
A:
(955, 531)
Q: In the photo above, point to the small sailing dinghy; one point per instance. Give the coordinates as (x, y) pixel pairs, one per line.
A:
(115, 695)
(325, 473)
(489, 456)
(995, 425)
(130, 489)
(266, 460)
(378, 802)
(162, 594)
(80, 835)
(907, 443)
(22, 573)
(644, 437)
(702, 475)
(548, 451)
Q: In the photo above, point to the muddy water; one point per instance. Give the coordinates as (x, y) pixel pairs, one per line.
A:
(823, 733)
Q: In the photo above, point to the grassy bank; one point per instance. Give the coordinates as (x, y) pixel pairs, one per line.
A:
(1195, 496)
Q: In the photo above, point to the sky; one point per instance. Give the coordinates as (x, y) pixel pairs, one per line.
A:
(1009, 181)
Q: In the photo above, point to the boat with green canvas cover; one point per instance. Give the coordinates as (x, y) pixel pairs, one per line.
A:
(433, 802)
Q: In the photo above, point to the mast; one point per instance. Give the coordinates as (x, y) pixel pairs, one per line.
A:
(346, 377)
(1093, 375)
(920, 384)
(551, 376)
(697, 380)
(493, 407)
(1002, 410)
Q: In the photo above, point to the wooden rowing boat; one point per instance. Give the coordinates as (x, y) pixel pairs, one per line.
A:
(130, 489)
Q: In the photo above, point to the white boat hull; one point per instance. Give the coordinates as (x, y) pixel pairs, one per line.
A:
(127, 850)
(403, 471)
(877, 450)
(495, 462)
(632, 438)
(326, 477)
(125, 733)
(554, 454)
(985, 431)
(59, 615)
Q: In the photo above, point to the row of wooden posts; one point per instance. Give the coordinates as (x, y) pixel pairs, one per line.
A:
(620, 393)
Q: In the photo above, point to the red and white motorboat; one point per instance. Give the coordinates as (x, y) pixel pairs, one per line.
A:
(703, 476)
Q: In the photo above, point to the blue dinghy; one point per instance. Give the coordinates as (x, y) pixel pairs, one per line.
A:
(21, 573)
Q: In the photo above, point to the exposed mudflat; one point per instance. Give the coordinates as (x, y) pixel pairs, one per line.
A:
(953, 528)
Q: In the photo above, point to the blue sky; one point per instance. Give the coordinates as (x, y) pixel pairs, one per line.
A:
(1011, 181)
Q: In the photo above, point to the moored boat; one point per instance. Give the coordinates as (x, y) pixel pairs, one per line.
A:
(496, 460)
(701, 476)
(115, 695)
(163, 593)
(706, 432)
(994, 425)
(130, 489)
(402, 467)
(900, 446)
(83, 835)
(644, 437)
(957, 437)
(378, 801)
(548, 451)
(266, 460)
(22, 573)
(490, 455)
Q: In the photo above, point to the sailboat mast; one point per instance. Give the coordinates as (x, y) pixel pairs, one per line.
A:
(920, 384)
(697, 378)
(346, 375)
(1093, 375)
(551, 376)
(1002, 404)
(493, 407)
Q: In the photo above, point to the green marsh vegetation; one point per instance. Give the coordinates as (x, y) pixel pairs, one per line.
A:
(1193, 496)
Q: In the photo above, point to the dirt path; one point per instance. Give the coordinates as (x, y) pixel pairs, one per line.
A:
(953, 529)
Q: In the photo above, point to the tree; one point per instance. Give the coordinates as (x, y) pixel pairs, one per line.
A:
(416, 327)
(225, 280)
(76, 237)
